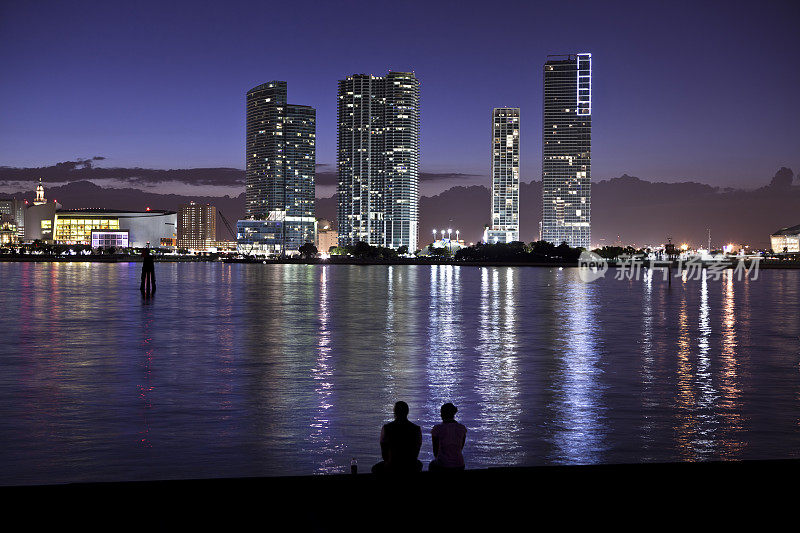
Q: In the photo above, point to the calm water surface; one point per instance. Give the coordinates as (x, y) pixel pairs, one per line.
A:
(253, 370)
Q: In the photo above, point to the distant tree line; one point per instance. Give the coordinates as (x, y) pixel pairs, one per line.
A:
(515, 252)
(520, 252)
(614, 252)
(40, 247)
(363, 250)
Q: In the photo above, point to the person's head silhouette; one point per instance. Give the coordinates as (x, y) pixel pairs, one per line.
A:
(449, 411)
(401, 411)
(145, 252)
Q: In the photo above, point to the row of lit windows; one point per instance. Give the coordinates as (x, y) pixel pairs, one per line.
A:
(80, 221)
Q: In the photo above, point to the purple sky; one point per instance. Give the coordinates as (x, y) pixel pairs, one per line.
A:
(694, 90)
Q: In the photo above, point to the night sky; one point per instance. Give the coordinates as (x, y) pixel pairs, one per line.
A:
(704, 91)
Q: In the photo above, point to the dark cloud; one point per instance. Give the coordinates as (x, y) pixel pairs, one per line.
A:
(782, 179)
(636, 210)
(80, 163)
(84, 169)
(446, 176)
(327, 175)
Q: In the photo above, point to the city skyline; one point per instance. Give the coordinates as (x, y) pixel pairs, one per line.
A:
(646, 78)
(355, 295)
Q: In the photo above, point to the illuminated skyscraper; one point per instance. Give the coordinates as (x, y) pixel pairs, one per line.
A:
(505, 176)
(281, 160)
(378, 160)
(566, 150)
(197, 226)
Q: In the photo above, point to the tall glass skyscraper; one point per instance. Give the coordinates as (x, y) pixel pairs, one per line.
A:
(281, 160)
(505, 176)
(566, 150)
(378, 160)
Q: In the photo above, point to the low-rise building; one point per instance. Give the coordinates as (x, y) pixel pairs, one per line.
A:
(327, 237)
(46, 221)
(145, 229)
(259, 237)
(104, 238)
(8, 230)
(451, 245)
(39, 217)
(786, 240)
(224, 246)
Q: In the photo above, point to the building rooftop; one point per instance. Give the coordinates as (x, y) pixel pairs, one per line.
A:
(794, 230)
(99, 210)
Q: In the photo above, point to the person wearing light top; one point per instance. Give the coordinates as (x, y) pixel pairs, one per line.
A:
(448, 441)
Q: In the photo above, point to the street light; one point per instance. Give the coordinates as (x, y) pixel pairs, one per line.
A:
(434, 235)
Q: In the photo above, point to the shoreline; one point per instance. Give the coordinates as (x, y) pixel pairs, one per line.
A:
(763, 264)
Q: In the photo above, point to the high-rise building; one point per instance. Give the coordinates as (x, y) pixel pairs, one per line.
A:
(281, 161)
(197, 226)
(378, 160)
(504, 225)
(14, 209)
(566, 150)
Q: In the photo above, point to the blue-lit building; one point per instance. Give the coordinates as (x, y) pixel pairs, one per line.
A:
(280, 165)
(259, 237)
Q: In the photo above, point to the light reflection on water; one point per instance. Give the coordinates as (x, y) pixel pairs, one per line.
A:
(320, 439)
(579, 409)
(245, 370)
(499, 411)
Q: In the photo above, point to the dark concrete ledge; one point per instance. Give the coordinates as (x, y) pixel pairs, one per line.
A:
(691, 494)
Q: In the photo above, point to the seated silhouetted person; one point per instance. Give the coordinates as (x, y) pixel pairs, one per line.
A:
(400, 444)
(448, 441)
(148, 272)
